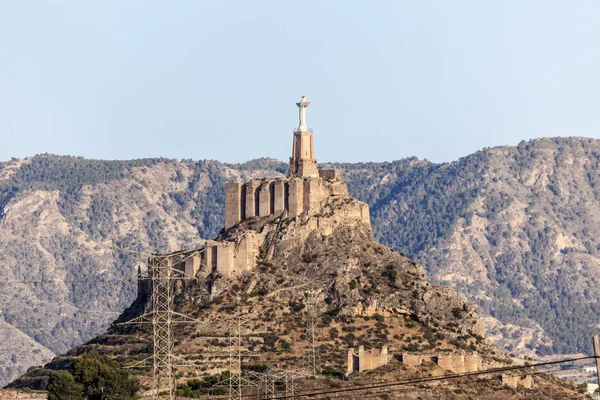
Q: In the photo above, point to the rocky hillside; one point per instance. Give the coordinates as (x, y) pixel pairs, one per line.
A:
(514, 228)
(360, 293)
(62, 281)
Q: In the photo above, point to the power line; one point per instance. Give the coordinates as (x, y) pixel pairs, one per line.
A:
(433, 379)
(48, 281)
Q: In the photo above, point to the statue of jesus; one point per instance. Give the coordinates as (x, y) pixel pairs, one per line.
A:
(302, 110)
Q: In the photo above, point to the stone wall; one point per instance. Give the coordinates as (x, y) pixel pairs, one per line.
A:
(227, 258)
(271, 197)
(232, 258)
(366, 360)
(452, 362)
(514, 381)
(412, 360)
(456, 363)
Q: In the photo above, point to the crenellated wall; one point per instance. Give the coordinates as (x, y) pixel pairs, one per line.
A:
(271, 197)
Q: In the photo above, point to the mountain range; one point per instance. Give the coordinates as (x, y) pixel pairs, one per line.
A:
(513, 228)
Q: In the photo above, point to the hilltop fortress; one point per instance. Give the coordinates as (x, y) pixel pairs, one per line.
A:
(303, 191)
(301, 195)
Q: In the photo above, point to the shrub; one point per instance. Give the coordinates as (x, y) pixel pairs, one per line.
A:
(332, 371)
(391, 273)
(103, 378)
(64, 387)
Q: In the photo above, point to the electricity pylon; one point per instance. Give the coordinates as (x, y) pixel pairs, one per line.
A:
(287, 377)
(311, 356)
(162, 307)
(162, 317)
(235, 358)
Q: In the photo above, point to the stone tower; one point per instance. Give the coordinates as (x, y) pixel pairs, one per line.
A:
(303, 162)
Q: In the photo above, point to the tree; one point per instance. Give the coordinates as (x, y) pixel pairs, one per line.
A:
(63, 386)
(102, 378)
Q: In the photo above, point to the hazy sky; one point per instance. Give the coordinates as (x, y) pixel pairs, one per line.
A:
(219, 79)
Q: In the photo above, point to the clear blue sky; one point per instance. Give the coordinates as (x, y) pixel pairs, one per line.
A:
(219, 79)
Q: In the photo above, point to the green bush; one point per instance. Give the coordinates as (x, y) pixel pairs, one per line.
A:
(63, 386)
(102, 378)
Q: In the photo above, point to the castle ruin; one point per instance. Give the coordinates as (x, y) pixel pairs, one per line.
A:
(302, 193)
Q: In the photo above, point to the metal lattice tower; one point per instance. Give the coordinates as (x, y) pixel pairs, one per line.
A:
(269, 384)
(274, 376)
(162, 309)
(289, 385)
(162, 316)
(235, 358)
(311, 357)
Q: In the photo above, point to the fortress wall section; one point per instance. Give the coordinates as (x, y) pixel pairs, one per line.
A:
(306, 191)
(473, 362)
(452, 362)
(211, 255)
(233, 204)
(261, 198)
(412, 360)
(352, 362)
(315, 193)
(192, 265)
(247, 250)
(264, 199)
(225, 258)
(252, 199)
(514, 381)
(365, 360)
(368, 361)
(296, 197)
(279, 193)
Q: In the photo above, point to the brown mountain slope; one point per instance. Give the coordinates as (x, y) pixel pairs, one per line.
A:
(514, 228)
(362, 294)
(62, 280)
(529, 268)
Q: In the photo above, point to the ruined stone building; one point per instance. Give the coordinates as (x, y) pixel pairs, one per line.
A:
(302, 193)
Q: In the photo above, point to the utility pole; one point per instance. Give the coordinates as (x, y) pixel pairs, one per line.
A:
(597, 357)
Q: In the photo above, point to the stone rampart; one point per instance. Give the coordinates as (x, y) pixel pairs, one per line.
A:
(514, 381)
(456, 363)
(271, 197)
(452, 362)
(232, 258)
(366, 360)
(412, 360)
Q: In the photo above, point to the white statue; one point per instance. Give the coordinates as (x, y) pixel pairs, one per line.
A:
(302, 110)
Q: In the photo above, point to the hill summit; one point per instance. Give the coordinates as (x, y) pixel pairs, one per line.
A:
(298, 278)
